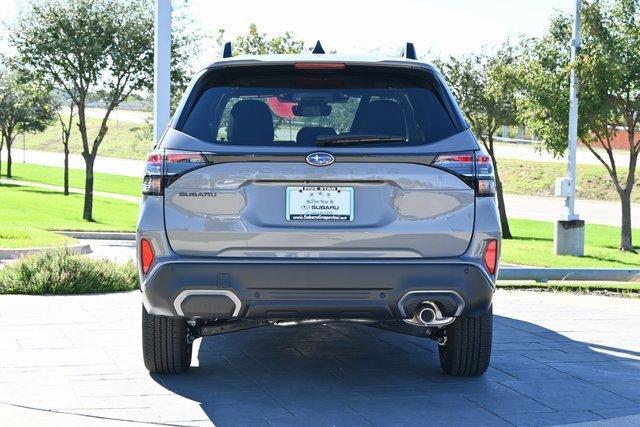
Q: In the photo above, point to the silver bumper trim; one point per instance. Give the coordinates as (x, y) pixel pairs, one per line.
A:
(177, 302)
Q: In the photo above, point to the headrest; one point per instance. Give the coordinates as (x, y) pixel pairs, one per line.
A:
(383, 117)
(250, 123)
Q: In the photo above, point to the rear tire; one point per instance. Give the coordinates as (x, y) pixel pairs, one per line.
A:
(468, 349)
(164, 344)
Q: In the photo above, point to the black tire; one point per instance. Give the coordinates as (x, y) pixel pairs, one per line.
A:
(164, 344)
(467, 352)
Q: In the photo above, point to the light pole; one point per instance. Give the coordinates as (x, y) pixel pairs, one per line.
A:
(569, 231)
(162, 68)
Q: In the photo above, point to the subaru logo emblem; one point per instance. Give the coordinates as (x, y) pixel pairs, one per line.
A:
(320, 159)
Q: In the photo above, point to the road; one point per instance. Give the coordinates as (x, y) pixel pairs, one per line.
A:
(550, 209)
(527, 152)
(557, 359)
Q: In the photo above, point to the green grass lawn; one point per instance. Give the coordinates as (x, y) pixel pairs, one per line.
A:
(21, 237)
(36, 209)
(533, 245)
(25, 210)
(106, 182)
(122, 139)
(538, 179)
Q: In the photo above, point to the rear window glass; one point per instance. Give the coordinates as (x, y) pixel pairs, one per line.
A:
(308, 107)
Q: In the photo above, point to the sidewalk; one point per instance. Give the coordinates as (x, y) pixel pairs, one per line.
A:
(133, 199)
(127, 167)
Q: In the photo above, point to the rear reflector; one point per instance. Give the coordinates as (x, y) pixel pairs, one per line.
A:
(485, 187)
(491, 256)
(319, 66)
(146, 255)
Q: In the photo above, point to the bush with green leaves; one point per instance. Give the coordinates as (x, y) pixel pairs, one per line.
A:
(60, 272)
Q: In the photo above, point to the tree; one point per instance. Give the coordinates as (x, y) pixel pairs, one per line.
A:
(608, 67)
(485, 86)
(84, 46)
(254, 42)
(65, 118)
(25, 106)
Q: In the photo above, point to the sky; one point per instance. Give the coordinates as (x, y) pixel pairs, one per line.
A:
(437, 27)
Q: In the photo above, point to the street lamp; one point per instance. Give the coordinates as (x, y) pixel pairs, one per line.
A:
(569, 231)
(162, 68)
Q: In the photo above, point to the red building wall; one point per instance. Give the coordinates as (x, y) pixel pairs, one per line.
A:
(621, 140)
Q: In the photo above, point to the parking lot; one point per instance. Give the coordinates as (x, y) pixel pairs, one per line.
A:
(558, 358)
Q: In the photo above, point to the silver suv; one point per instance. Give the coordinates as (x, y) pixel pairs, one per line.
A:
(301, 189)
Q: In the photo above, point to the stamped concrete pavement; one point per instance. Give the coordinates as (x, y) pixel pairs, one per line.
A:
(558, 358)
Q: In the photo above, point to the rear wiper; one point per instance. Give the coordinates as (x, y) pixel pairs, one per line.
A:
(357, 139)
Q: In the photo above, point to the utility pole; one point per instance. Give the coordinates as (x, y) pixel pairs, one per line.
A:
(162, 68)
(569, 231)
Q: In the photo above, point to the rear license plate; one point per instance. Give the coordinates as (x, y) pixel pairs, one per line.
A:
(320, 203)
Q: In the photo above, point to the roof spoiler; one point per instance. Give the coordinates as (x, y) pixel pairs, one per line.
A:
(227, 50)
(318, 48)
(409, 51)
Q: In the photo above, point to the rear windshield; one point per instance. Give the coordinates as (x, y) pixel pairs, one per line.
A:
(285, 106)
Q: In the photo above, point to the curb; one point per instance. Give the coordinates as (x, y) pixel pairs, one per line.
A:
(79, 249)
(98, 235)
(544, 274)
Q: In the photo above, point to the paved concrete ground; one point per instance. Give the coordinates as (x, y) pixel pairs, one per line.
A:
(115, 250)
(557, 359)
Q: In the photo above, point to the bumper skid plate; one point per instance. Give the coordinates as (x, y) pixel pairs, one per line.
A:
(305, 290)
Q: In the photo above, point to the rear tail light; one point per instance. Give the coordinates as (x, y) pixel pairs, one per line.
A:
(146, 255)
(491, 256)
(474, 167)
(485, 179)
(459, 163)
(164, 167)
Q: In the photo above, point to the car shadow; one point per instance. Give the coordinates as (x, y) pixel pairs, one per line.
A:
(346, 374)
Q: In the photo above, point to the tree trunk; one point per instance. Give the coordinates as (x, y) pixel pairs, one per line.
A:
(502, 210)
(1, 145)
(87, 212)
(626, 242)
(66, 169)
(9, 160)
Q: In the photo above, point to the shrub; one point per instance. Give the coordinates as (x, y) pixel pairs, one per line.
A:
(58, 272)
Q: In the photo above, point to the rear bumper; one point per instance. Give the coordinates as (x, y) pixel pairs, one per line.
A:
(352, 289)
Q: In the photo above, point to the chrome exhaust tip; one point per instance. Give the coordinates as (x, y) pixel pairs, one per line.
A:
(428, 314)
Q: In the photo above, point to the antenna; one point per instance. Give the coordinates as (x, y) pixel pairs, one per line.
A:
(318, 48)
(410, 51)
(227, 50)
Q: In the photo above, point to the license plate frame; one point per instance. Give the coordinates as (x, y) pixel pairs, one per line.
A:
(319, 203)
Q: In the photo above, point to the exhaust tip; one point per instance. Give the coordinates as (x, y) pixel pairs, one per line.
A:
(426, 316)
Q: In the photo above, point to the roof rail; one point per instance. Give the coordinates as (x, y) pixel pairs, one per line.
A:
(318, 48)
(410, 51)
(227, 50)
